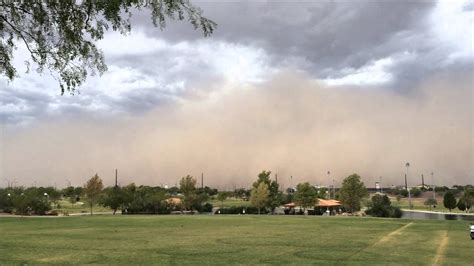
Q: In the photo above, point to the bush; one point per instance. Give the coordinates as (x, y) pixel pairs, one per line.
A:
(416, 192)
(404, 193)
(396, 212)
(381, 207)
(205, 208)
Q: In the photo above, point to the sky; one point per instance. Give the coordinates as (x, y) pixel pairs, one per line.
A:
(299, 89)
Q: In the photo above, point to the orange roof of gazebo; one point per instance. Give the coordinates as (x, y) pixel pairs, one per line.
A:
(328, 203)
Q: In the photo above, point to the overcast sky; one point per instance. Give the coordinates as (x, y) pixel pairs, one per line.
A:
(296, 88)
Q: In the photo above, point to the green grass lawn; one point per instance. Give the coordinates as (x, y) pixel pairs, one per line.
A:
(68, 207)
(230, 202)
(237, 239)
(418, 204)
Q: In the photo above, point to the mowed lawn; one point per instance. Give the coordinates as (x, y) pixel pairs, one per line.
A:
(236, 239)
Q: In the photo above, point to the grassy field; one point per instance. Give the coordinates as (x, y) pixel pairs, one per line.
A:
(212, 239)
(230, 202)
(67, 207)
(418, 204)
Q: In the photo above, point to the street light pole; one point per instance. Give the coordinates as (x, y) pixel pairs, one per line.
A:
(329, 178)
(434, 187)
(381, 189)
(409, 194)
(333, 190)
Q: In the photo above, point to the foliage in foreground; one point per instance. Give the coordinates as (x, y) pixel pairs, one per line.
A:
(60, 35)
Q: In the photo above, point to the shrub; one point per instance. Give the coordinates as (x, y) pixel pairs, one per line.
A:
(396, 212)
(416, 192)
(207, 207)
(381, 207)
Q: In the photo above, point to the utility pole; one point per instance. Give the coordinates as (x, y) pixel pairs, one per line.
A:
(202, 180)
(434, 187)
(422, 181)
(409, 194)
(333, 189)
(116, 178)
(406, 185)
(329, 178)
(381, 188)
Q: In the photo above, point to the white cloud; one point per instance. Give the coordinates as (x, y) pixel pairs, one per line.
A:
(372, 74)
(453, 27)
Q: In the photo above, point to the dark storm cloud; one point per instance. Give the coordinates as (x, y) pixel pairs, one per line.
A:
(20, 105)
(322, 37)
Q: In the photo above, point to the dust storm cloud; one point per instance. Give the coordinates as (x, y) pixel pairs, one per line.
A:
(291, 125)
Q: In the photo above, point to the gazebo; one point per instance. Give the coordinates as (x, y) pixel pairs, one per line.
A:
(330, 205)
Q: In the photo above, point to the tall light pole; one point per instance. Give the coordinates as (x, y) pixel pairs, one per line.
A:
(329, 184)
(333, 190)
(381, 189)
(46, 196)
(434, 187)
(407, 165)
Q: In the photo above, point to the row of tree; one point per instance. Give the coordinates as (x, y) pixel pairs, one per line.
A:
(464, 203)
(266, 193)
(265, 196)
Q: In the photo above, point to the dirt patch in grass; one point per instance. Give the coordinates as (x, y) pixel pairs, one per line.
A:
(441, 248)
(387, 237)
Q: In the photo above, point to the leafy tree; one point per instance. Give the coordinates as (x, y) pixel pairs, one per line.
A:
(430, 202)
(441, 189)
(79, 191)
(404, 192)
(323, 192)
(468, 197)
(144, 200)
(207, 190)
(259, 196)
(113, 197)
(381, 206)
(305, 195)
(242, 193)
(415, 192)
(449, 200)
(275, 197)
(69, 193)
(221, 196)
(187, 184)
(466, 201)
(60, 35)
(461, 205)
(93, 190)
(352, 192)
(30, 200)
(399, 197)
(6, 203)
(192, 199)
